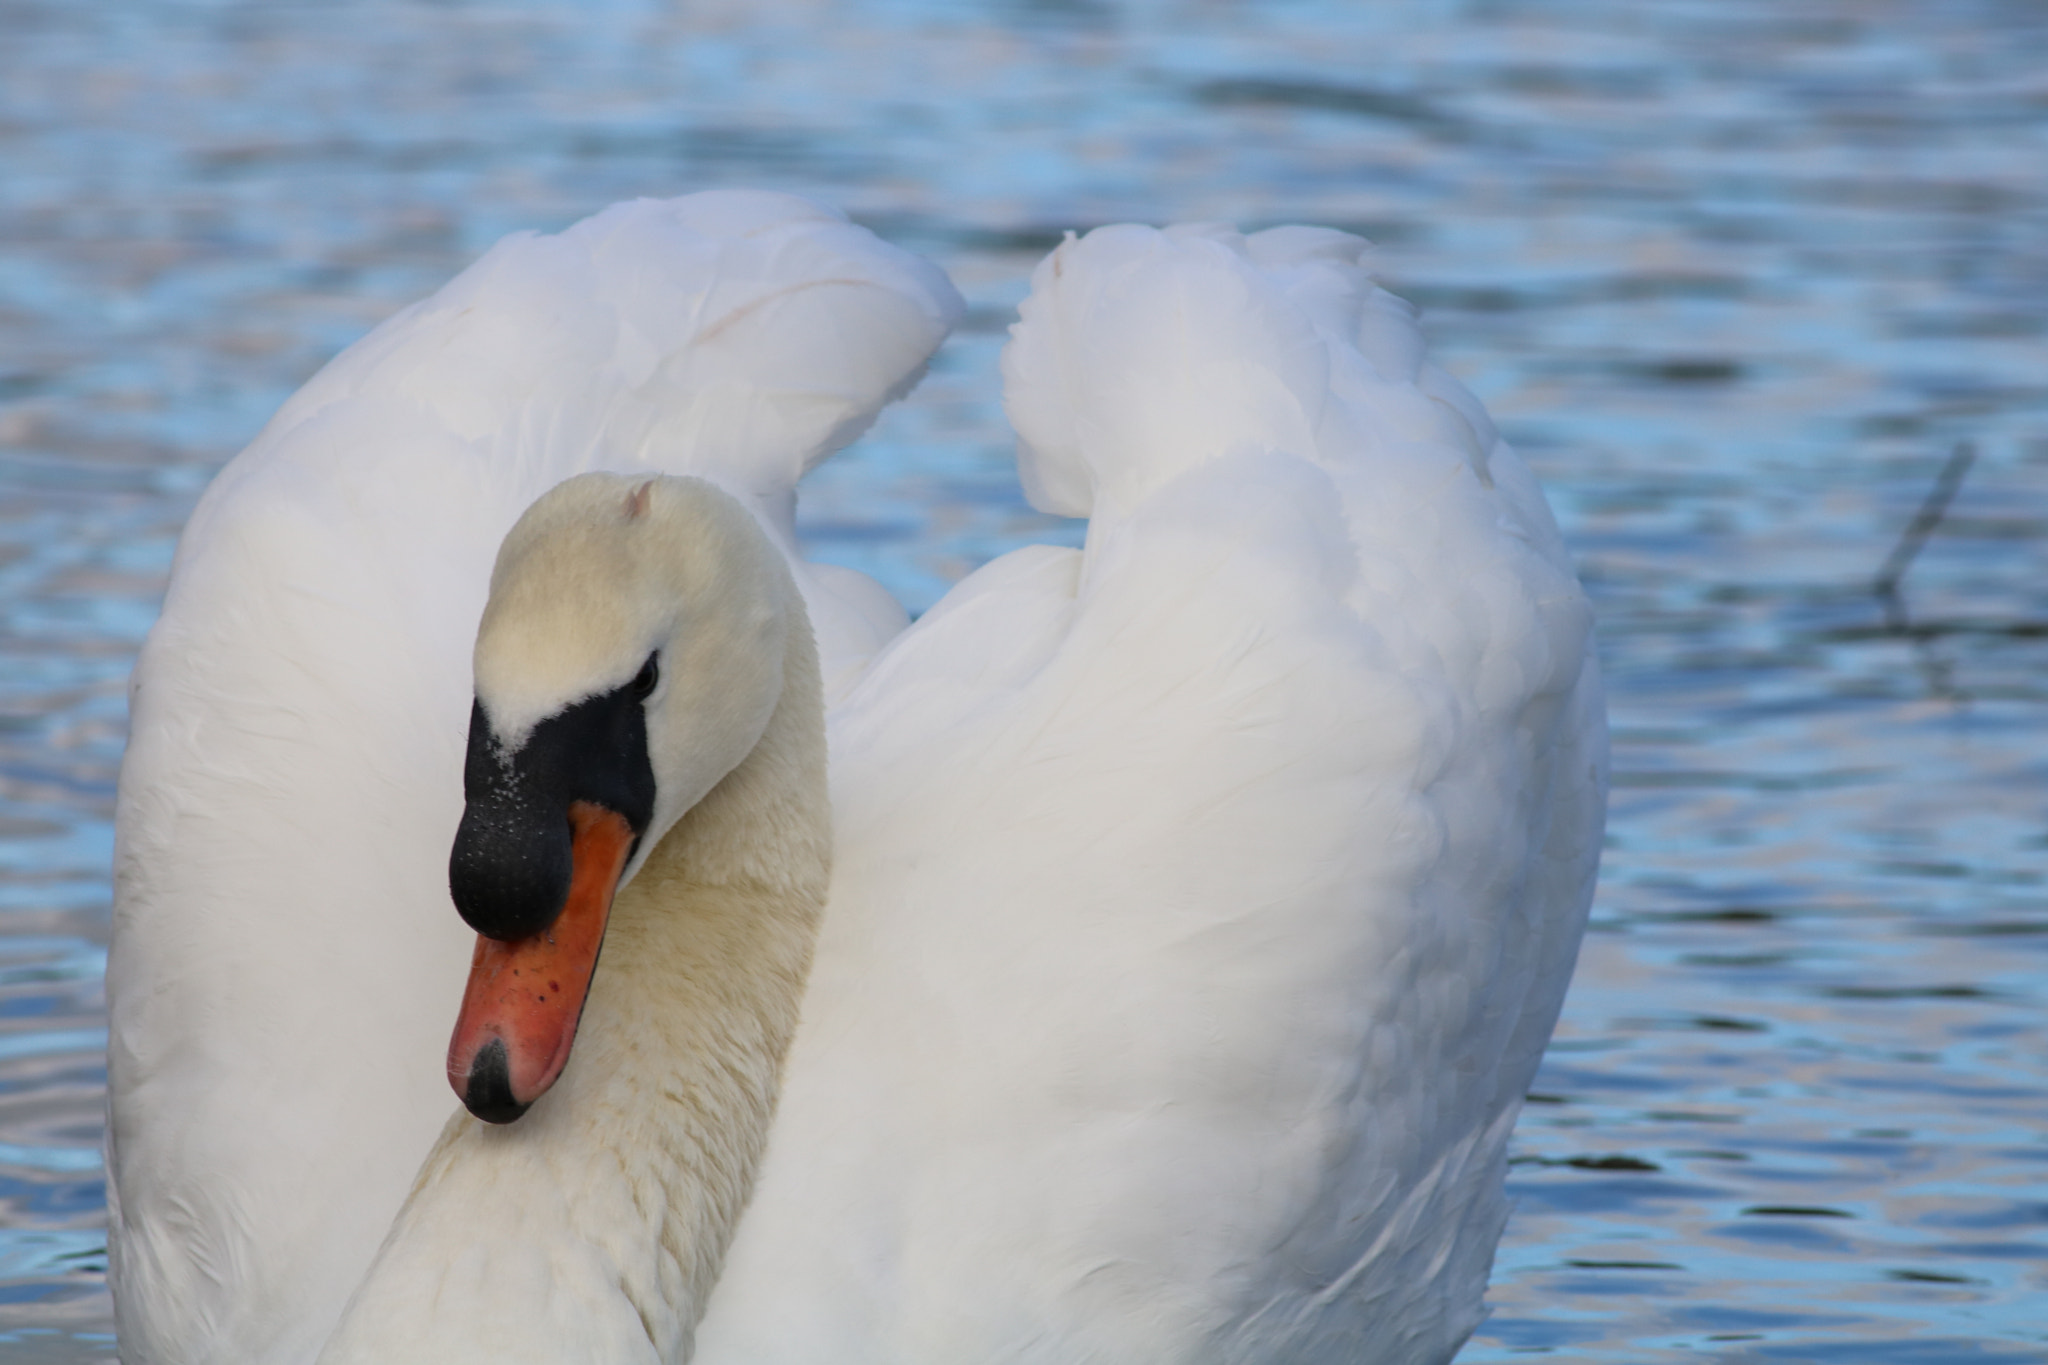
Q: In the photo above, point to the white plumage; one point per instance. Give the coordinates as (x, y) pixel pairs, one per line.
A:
(1201, 900)
(285, 965)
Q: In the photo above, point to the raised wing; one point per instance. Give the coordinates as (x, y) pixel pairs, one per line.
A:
(1204, 898)
(286, 965)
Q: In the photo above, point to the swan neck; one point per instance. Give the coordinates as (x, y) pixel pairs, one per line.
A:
(594, 1228)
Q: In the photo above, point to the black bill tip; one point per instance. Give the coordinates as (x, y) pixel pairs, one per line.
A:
(489, 1092)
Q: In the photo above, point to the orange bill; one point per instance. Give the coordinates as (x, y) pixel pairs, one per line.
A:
(520, 1010)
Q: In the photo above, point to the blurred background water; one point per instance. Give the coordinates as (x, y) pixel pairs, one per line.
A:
(1737, 275)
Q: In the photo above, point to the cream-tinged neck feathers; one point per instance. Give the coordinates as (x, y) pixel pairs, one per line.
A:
(593, 1229)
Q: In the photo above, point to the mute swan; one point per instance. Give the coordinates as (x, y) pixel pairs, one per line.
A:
(279, 981)
(1199, 903)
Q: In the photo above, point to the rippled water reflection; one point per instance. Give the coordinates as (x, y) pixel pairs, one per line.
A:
(1736, 275)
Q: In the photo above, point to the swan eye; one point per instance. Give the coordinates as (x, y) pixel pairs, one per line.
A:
(649, 674)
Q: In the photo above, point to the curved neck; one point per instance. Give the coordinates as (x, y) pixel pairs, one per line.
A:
(594, 1228)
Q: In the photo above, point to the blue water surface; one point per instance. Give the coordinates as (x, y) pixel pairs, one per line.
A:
(1737, 275)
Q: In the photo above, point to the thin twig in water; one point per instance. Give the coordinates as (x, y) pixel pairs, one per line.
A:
(1916, 534)
(1940, 674)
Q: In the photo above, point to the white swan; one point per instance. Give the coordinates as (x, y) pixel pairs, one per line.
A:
(280, 980)
(1200, 901)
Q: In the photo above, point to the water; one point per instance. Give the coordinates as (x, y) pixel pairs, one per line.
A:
(1737, 275)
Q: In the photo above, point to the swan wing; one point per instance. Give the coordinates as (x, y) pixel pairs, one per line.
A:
(286, 965)
(1203, 899)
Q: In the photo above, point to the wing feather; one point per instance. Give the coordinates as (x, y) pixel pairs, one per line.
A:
(1203, 899)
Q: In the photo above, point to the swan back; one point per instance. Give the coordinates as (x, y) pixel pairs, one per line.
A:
(285, 963)
(1201, 900)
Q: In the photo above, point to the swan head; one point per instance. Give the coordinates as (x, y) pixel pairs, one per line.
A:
(629, 657)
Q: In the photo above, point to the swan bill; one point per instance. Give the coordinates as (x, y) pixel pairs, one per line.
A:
(510, 867)
(487, 1091)
(525, 996)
